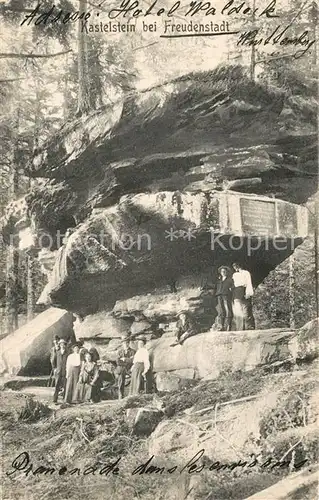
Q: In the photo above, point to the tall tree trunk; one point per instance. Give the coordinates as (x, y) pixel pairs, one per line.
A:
(83, 92)
(65, 91)
(12, 256)
(253, 48)
(292, 323)
(30, 287)
(11, 307)
(313, 25)
(316, 244)
(273, 301)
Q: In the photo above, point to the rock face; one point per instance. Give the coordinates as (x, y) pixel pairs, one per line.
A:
(143, 420)
(308, 340)
(101, 325)
(163, 306)
(213, 353)
(169, 382)
(303, 485)
(153, 240)
(27, 350)
(197, 130)
(145, 187)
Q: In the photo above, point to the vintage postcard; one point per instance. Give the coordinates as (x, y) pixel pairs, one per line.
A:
(159, 249)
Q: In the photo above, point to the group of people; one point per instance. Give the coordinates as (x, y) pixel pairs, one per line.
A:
(77, 376)
(234, 292)
(74, 371)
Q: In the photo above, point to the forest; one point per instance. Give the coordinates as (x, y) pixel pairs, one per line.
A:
(53, 73)
(139, 133)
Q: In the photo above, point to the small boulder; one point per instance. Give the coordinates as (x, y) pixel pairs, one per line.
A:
(171, 437)
(101, 325)
(143, 420)
(140, 327)
(169, 382)
(307, 341)
(188, 373)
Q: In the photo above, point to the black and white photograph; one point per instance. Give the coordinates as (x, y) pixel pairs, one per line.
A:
(159, 250)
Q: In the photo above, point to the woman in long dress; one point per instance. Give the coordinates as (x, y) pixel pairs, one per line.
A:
(141, 377)
(73, 366)
(87, 389)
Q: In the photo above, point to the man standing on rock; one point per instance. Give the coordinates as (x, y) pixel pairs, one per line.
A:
(242, 295)
(124, 364)
(60, 369)
(224, 291)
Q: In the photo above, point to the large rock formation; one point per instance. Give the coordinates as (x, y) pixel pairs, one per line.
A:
(152, 240)
(27, 350)
(158, 188)
(210, 126)
(101, 326)
(214, 353)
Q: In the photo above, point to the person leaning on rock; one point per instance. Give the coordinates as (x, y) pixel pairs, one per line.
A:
(184, 328)
(124, 363)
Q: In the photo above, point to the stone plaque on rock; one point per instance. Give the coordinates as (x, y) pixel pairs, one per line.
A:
(258, 217)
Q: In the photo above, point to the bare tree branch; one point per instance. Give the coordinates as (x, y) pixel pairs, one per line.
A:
(144, 46)
(13, 55)
(9, 8)
(9, 80)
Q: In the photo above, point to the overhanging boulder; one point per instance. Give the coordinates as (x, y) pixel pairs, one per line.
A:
(26, 351)
(205, 126)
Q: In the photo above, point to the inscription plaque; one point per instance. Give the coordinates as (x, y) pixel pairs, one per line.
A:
(258, 217)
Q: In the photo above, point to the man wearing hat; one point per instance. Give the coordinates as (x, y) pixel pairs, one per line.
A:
(55, 347)
(224, 295)
(124, 363)
(184, 328)
(60, 369)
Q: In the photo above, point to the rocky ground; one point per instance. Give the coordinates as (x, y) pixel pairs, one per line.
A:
(240, 420)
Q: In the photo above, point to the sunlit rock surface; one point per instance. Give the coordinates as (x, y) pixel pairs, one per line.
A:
(302, 484)
(27, 350)
(212, 353)
(101, 325)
